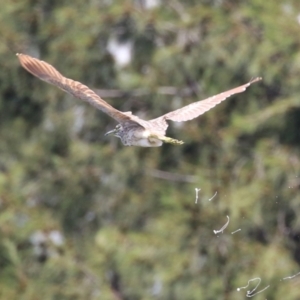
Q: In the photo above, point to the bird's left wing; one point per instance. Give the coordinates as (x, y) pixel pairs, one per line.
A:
(48, 73)
(196, 109)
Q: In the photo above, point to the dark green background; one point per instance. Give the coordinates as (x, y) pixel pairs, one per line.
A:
(129, 233)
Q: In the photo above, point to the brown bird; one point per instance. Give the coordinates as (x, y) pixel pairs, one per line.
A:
(132, 130)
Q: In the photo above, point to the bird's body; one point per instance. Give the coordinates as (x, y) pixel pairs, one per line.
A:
(136, 136)
(140, 137)
(132, 130)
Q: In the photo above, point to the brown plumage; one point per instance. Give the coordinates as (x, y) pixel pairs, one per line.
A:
(132, 130)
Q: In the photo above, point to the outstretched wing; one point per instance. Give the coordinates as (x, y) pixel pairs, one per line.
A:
(48, 73)
(196, 109)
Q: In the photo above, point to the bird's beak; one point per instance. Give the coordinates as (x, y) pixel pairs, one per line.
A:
(110, 132)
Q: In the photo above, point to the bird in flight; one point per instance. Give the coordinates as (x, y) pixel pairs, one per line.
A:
(132, 130)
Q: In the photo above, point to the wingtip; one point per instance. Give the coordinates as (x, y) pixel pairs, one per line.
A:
(20, 56)
(255, 79)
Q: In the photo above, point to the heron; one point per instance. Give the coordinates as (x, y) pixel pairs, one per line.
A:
(132, 130)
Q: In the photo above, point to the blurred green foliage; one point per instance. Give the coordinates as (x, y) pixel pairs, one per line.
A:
(83, 217)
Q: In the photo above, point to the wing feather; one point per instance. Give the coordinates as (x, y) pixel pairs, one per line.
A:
(48, 73)
(196, 109)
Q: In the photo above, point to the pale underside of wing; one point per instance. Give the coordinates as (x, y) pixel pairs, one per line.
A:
(198, 108)
(48, 73)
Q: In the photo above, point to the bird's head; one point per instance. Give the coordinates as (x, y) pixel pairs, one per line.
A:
(116, 132)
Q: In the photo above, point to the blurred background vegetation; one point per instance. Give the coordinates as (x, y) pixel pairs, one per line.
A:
(83, 217)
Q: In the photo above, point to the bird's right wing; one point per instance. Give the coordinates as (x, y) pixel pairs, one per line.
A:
(48, 73)
(196, 109)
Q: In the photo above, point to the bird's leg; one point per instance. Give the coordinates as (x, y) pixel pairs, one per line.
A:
(171, 141)
(168, 140)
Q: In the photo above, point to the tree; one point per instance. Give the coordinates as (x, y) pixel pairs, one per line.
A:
(83, 217)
